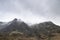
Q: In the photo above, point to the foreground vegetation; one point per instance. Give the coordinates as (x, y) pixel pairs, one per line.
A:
(21, 36)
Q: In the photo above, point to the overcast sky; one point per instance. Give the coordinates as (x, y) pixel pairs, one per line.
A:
(30, 11)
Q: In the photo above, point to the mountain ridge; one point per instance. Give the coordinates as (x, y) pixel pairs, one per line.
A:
(30, 30)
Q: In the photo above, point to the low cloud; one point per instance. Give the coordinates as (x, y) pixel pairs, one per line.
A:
(38, 10)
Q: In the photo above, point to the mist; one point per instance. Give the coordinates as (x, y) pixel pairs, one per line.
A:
(30, 11)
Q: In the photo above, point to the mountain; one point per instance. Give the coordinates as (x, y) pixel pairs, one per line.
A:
(46, 27)
(37, 29)
(16, 25)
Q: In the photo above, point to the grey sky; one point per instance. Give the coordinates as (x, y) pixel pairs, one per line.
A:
(31, 11)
